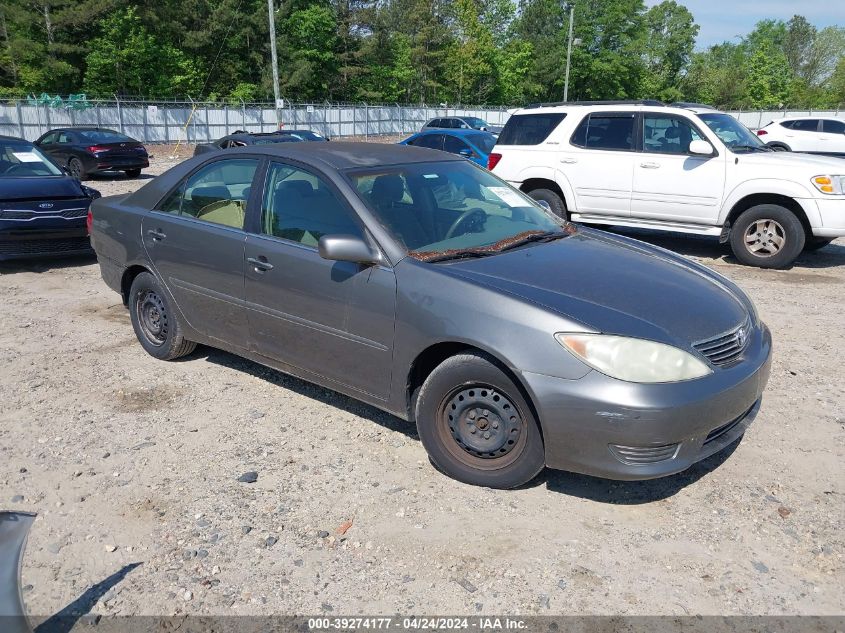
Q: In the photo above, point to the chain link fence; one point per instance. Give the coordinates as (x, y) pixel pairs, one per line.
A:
(196, 122)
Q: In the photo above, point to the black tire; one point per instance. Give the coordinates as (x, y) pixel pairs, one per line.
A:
(155, 323)
(779, 147)
(132, 173)
(767, 236)
(817, 243)
(76, 169)
(469, 391)
(555, 201)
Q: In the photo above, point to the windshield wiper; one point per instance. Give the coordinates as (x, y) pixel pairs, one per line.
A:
(545, 236)
(752, 148)
(458, 254)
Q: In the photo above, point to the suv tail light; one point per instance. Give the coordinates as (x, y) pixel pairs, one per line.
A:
(761, 132)
(493, 160)
(89, 222)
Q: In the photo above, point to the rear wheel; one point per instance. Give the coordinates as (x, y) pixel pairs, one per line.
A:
(816, 243)
(74, 166)
(155, 323)
(555, 201)
(132, 173)
(476, 425)
(768, 236)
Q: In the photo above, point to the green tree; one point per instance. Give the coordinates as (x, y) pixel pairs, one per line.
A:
(768, 77)
(670, 38)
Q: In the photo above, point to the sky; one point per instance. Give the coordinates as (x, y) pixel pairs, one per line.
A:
(722, 20)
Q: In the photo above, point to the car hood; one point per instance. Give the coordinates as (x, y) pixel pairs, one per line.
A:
(615, 285)
(46, 188)
(812, 164)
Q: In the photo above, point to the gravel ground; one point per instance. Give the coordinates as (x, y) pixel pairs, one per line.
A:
(133, 467)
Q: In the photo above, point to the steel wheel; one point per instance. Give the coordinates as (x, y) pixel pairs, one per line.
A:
(152, 317)
(481, 427)
(765, 238)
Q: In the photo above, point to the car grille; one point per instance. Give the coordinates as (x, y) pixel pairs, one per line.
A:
(45, 246)
(719, 431)
(643, 454)
(725, 349)
(68, 214)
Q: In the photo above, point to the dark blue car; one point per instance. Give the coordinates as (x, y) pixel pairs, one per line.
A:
(472, 144)
(43, 210)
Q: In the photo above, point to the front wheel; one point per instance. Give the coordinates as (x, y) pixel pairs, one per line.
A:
(154, 321)
(768, 236)
(555, 201)
(476, 426)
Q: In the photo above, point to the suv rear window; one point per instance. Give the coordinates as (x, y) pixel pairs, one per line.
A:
(612, 131)
(529, 129)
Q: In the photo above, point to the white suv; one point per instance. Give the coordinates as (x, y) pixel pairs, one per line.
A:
(813, 134)
(688, 169)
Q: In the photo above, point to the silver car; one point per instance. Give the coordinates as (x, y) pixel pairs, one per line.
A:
(424, 285)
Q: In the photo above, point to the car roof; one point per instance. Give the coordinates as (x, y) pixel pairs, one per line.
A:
(616, 106)
(3, 137)
(797, 117)
(453, 131)
(82, 128)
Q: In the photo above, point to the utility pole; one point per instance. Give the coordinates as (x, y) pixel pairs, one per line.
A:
(274, 60)
(568, 53)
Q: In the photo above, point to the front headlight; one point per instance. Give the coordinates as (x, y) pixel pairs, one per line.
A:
(830, 184)
(633, 359)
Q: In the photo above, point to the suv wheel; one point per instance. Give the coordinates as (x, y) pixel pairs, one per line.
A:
(476, 426)
(768, 236)
(555, 201)
(155, 323)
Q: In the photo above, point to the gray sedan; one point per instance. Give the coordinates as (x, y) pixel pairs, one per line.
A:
(426, 286)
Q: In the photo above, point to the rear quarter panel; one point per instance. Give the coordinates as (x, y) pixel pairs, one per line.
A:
(116, 237)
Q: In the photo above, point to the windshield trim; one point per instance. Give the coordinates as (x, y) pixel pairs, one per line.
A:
(704, 116)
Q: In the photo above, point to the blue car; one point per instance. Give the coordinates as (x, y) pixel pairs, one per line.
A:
(43, 209)
(472, 144)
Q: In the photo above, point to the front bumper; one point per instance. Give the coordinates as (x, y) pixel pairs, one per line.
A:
(609, 428)
(46, 242)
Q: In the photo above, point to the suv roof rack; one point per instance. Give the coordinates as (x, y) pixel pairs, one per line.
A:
(690, 104)
(645, 102)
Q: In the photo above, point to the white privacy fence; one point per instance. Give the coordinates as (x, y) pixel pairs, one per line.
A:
(203, 122)
(193, 122)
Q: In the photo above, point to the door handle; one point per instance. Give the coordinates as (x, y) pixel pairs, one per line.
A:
(569, 161)
(649, 165)
(260, 263)
(156, 234)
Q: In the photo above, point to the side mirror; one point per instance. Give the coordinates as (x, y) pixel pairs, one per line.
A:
(466, 153)
(545, 205)
(347, 248)
(701, 148)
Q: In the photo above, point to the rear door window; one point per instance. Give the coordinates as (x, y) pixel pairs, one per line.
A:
(806, 125)
(432, 141)
(217, 193)
(530, 129)
(607, 131)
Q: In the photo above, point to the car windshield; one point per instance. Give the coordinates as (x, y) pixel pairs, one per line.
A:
(484, 142)
(24, 160)
(731, 132)
(476, 122)
(104, 136)
(448, 209)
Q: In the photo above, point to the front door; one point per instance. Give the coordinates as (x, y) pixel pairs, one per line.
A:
(195, 240)
(599, 163)
(670, 184)
(334, 320)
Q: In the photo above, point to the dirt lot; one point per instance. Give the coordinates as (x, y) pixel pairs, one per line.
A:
(133, 466)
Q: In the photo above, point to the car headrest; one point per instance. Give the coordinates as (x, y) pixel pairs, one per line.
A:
(294, 187)
(672, 132)
(388, 188)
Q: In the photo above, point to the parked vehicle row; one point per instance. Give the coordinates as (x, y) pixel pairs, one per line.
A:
(240, 138)
(687, 169)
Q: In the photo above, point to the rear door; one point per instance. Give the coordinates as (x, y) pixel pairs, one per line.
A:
(195, 240)
(670, 184)
(599, 163)
(833, 136)
(331, 319)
